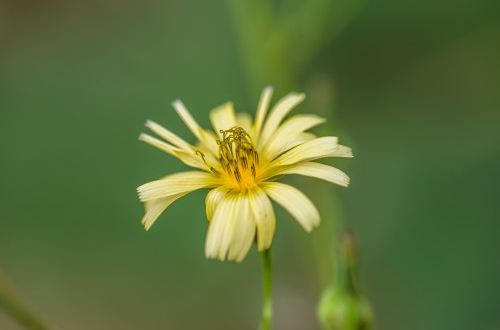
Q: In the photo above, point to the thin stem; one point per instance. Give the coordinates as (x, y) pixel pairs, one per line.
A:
(267, 307)
(12, 305)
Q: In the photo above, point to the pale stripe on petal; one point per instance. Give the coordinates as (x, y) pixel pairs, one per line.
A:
(243, 233)
(265, 99)
(317, 170)
(177, 183)
(220, 228)
(279, 111)
(295, 202)
(213, 199)
(318, 148)
(156, 207)
(223, 118)
(265, 220)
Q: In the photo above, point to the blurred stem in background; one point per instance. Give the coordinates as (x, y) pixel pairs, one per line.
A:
(278, 43)
(12, 305)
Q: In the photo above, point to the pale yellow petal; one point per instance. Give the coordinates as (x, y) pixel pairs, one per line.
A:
(295, 202)
(285, 136)
(156, 207)
(322, 147)
(265, 220)
(208, 144)
(206, 139)
(232, 229)
(243, 233)
(168, 148)
(223, 118)
(213, 199)
(186, 156)
(265, 99)
(317, 170)
(244, 120)
(176, 184)
(279, 111)
(167, 135)
(186, 117)
(221, 227)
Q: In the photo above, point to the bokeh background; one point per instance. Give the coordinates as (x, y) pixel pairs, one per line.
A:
(412, 86)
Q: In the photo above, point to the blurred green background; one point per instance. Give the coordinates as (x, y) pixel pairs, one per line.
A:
(413, 87)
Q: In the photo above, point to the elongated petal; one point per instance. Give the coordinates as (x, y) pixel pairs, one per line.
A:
(176, 184)
(156, 207)
(243, 233)
(265, 99)
(186, 117)
(288, 131)
(223, 118)
(167, 135)
(279, 111)
(206, 139)
(186, 156)
(295, 202)
(220, 228)
(317, 170)
(318, 148)
(265, 220)
(213, 199)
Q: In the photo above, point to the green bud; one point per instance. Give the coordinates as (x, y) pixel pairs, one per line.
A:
(342, 305)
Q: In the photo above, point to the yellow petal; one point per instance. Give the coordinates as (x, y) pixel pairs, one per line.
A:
(265, 99)
(243, 233)
(322, 147)
(220, 228)
(186, 117)
(177, 183)
(187, 157)
(167, 135)
(295, 202)
(244, 120)
(223, 118)
(284, 136)
(213, 199)
(317, 170)
(279, 111)
(156, 207)
(232, 229)
(265, 220)
(206, 139)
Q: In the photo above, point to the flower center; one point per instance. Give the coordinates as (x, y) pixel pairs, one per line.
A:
(238, 157)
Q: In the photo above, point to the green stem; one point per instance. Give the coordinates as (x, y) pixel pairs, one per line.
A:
(12, 305)
(267, 307)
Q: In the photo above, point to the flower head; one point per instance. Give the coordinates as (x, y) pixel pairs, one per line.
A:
(240, 161)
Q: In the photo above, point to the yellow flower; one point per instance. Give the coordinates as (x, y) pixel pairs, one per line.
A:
(240, 163)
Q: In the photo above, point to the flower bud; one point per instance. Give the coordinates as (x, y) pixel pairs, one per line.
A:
(342, 305)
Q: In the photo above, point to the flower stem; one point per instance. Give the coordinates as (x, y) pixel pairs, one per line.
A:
(267, 307)
(12, 305)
